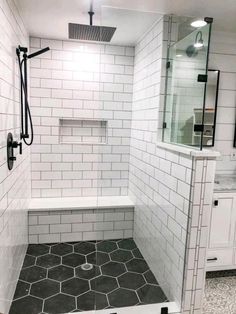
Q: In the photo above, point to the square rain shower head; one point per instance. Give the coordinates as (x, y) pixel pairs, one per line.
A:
(91, 32)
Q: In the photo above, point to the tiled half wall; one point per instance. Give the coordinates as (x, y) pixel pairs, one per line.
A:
(80, 225)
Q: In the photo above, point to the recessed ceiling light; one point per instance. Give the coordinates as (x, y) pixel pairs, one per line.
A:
(179, 55)
(198, 23)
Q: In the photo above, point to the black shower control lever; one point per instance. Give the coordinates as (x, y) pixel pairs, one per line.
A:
(11, 145)
(15, 144)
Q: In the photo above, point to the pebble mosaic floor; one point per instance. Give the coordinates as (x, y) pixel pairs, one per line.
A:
(220, 293)
(53, 282)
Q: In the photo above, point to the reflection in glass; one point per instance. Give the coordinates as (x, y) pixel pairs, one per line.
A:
(184, 108)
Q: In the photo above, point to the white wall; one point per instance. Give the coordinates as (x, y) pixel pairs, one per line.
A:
(223, 58)
(80, 81)
(15, 184)
(159, 181)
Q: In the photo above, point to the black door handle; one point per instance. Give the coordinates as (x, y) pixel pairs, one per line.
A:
(212, 259)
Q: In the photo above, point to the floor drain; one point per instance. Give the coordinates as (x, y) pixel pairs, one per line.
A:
(87, 266)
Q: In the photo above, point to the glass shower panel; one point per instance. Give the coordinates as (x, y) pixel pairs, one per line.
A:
(185, 97)
(130, 266)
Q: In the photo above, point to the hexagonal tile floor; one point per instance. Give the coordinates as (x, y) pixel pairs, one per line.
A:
(52, 280)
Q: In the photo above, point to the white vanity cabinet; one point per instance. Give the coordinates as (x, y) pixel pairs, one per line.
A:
(222, 245)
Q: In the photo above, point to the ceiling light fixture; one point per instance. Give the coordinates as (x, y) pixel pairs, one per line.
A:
(198, 23)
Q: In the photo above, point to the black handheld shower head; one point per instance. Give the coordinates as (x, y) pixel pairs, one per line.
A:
(35, 54)
(25, 108)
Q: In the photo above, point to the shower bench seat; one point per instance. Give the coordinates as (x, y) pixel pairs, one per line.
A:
(80, 219)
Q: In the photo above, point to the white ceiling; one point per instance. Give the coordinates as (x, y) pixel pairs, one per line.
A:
(50, 18)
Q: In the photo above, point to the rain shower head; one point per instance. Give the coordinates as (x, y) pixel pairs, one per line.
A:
(91, 32)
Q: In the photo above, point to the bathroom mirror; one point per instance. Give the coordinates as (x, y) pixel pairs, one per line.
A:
(210, 111)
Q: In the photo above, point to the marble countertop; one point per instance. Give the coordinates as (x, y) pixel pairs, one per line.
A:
(225, 183)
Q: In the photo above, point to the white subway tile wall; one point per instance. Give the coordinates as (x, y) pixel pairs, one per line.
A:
(163, 187)
(80, 225)
(202, 185)
(223, 58)
(15, 184)
(159, 181)
(81, 81)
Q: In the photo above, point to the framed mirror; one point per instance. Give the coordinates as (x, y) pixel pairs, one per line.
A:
(210, 110)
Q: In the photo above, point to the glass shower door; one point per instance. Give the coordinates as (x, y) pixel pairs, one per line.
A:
(186, 82)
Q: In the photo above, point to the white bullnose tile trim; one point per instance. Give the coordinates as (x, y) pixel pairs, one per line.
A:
(141, 309)
(188, 151)
(70, 203)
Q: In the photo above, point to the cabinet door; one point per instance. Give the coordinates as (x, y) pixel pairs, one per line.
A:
(222, 222)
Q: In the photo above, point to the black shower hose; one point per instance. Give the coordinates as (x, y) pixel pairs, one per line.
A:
(27, 113)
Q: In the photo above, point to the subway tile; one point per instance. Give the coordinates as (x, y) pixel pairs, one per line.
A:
(60, 228)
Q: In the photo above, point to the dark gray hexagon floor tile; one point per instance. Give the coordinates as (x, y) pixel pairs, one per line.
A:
(87, 274)
(127, 244)
(22, 289)
(98, 258)
(73, 260)
(121, 256)
(106, 246)
(137, 253)
(122, 297)
(116, 240)
(131, 281)
(75, 286)
(61, 273)
(45, 288)
(48, 261)
(33, 273)
(29, 305)
(150, 278)
(62, 249)
(59, 304)
(137, 265)
(113, 269)
(151, 294)
(84, 248)
(37, 249)
(29, 261)
(92, 301)
(103, 284)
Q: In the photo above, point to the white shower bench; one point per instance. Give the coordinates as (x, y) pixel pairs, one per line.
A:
(72, 219)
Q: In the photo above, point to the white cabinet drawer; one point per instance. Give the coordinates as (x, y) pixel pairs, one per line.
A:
(218, 258)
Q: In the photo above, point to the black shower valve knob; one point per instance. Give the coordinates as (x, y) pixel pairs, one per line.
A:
(15, 144)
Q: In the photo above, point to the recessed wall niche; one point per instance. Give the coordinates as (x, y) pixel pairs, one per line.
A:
(79, 131)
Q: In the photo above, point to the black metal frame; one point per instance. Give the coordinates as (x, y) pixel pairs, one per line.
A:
(216, 105)
(209, 22)
(234, 143)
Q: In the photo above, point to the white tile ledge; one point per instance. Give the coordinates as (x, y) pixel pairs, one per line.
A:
(141, 309)
(185, 150)
(71, 203)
